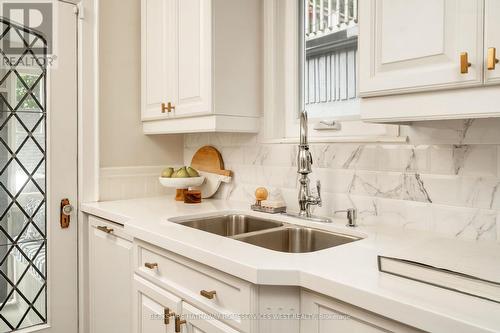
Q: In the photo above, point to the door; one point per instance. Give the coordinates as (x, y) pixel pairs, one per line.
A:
(492, 42)
(193, 57)
(154, 308)
(194, 320)
(176, 58)
(156, 55)
(110, 279)
(38, 168)
(417, 45)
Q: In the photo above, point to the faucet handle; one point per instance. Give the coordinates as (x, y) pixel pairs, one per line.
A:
(352, 216)
(318, 189)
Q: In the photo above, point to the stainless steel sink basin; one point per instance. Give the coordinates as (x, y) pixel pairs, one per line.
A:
(231, 224)
(297, 240)
(267, 233)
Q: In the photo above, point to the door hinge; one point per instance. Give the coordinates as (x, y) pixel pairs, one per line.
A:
(79, 11)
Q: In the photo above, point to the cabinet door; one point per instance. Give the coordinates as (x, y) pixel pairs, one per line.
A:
(198, 321)
(416, 45)
(154, 308)
(110, 268)
(326, 315)
(492, 40)
(192, 70)
(157, 56)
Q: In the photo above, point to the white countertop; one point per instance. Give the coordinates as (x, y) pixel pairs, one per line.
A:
(348, 272)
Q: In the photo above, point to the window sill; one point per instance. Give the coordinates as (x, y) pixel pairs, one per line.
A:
(341, 139)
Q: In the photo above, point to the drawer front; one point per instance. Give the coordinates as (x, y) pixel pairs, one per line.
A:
(108, 227)
(213, 291)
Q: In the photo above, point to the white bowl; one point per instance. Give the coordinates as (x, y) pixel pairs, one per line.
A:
(182, 182)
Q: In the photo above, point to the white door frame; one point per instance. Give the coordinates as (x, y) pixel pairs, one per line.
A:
(62, 172)
(88, 131)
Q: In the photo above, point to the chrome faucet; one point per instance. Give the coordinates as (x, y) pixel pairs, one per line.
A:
(304, 168)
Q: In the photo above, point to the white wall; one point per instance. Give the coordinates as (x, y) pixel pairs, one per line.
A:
(125, 152)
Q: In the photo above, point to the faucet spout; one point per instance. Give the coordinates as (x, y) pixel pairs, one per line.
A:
(304, 157)
(303, 129)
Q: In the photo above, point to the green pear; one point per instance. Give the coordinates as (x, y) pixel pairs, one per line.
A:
(167, 173)
(182, 173)
(192, 172)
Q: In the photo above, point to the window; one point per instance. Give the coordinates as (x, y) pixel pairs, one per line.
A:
(310, 62)
(330, 47)
(32, 81)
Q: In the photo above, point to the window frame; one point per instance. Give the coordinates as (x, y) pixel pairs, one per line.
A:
(283, 82)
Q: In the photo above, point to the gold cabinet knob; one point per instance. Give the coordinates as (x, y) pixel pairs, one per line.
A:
(464, 63)
(178, 323)
(151, 265)
(105, 229)
(166, 316)
(208, 294)
(169, 107)
(492, 58)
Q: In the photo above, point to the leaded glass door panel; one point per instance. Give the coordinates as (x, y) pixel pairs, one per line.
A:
(38, 168)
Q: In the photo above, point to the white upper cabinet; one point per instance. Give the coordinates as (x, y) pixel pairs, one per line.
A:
(192, 75)
(201, 67)
(154, 56)
(417, 45)
(428, 59)
(492, 42)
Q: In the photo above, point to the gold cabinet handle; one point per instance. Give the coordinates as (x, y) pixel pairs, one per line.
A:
(208, 294)
(105, 229)
(178, 323)
(492, 58)
(166, 316)
(151, 265)
(169, 107)
(464, 63)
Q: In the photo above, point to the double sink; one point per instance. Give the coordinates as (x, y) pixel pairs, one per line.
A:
(267, 233)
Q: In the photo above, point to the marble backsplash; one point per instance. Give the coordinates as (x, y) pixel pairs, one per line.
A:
(446, 179)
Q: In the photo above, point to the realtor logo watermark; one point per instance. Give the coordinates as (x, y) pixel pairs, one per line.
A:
(35, 37)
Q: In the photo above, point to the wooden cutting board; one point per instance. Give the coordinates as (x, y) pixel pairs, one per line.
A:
(209, 159)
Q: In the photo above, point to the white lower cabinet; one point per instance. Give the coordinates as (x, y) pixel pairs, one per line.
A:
(326, 315)
(110, 277)
(158, 311)
(208, 289)
(136, 287)
(154, 308)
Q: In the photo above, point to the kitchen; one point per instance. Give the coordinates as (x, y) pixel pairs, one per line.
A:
(253, 166)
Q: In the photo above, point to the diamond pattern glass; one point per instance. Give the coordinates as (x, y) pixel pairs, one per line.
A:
(23, 238)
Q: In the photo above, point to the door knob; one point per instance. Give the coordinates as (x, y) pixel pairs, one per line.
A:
(65, 211)
(492, 58)
(464, 63)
